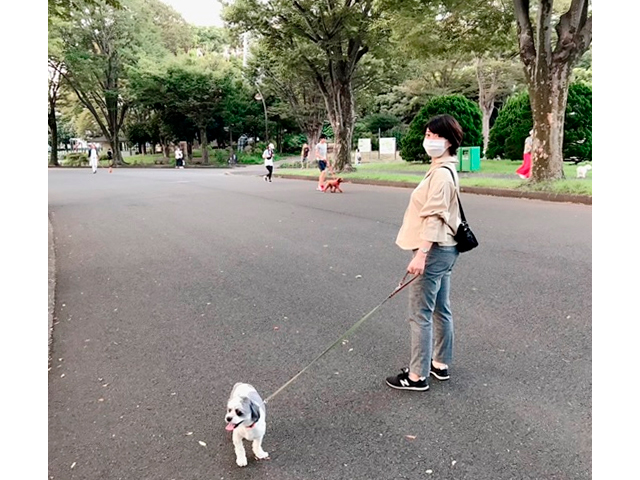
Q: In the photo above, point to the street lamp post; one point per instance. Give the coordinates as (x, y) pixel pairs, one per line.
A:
(266, 126)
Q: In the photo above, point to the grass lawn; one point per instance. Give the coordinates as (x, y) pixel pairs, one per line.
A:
(498, 174)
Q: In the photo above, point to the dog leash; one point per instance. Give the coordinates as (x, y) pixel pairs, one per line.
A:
(400, 286)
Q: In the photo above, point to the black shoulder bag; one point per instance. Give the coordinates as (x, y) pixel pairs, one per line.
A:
(464, 236)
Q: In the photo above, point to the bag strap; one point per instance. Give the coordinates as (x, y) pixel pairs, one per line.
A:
(457, 195)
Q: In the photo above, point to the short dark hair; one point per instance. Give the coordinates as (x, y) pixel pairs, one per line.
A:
(447, 127)
(323, 136)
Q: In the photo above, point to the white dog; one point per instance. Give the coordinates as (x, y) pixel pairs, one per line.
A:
(246, 418)
(582, 171)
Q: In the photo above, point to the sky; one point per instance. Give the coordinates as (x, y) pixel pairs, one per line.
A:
(198, 12)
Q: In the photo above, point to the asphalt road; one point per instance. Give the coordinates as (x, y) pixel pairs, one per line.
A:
(172, 285)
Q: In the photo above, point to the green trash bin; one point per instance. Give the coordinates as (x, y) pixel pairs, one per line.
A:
(468, 159)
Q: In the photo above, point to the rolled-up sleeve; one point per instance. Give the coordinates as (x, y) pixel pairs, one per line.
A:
(435, 211)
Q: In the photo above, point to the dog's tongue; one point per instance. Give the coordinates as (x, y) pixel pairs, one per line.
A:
(230, 427)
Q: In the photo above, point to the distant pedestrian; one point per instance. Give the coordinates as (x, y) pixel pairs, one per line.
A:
(110, 159)
(93, 158)
(268, 161)
(321, 156)
(179, 157)
(358, 157)
(304, 155)
(524, 171)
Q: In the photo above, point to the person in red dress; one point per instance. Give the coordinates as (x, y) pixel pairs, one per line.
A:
(524, 171)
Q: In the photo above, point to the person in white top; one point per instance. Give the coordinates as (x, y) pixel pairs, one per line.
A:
(179, 156)
(268, 161)
(321, 156)
(93, 158)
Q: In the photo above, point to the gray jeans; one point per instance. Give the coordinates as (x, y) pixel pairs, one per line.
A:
(430, 312)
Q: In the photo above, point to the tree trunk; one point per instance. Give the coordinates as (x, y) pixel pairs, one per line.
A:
(340, 106)
(53, 127)
(486, 100)
(548, 104)
(313, 136)
(115, 149)
(204, 144)
(547, 73)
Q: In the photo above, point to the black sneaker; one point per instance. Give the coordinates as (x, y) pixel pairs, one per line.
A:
(440, 373)
(403, 382)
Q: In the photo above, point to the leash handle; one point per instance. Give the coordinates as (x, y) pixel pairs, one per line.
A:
(355, 326)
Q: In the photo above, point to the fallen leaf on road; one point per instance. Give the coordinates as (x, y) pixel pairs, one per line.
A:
(202, 443)
(410, 437)
(73, 464)
(189, 433)
(358, 276)
(276, 328)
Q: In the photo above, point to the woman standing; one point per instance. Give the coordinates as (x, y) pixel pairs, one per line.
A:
(524, 171)
(304, 155)
(430, 222)
(93, 158)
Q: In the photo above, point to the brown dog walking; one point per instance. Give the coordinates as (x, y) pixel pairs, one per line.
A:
(333, 185)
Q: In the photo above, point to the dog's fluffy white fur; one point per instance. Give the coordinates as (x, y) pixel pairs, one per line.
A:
(582, 171)
(246, 417)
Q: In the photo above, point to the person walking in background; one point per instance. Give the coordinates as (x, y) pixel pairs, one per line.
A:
(429, 224)
(358, 156)
(93, 158)
(524, 171)
(268, 161)
(110, 160)
(179, 157)
(321, 156)
(304, 155)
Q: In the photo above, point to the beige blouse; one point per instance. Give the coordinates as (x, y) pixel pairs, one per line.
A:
(433, 213)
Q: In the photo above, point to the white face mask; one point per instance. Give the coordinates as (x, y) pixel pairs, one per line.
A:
(434, 147)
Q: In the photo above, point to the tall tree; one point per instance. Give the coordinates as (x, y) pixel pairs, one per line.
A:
(548, 60)
(329, 38)
(101, 43)
(98, 45)
(296, 88)
(185, 89)
(55, 69)
(452, 34)
(54, 88)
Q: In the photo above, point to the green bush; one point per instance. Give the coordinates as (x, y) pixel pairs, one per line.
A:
(577, 123)
(292, 143)
(76, 159)
(466, 112)
(511, 128)
(381, 122)
(515, 120)
(250, 158)
(219, 156)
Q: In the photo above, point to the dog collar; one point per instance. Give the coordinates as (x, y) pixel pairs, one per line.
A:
(252, 425)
